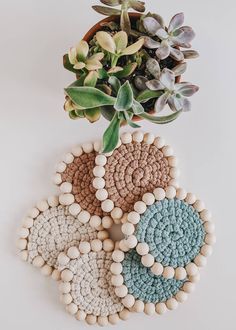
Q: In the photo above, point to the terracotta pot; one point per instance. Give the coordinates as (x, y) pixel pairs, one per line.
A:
(99, 26)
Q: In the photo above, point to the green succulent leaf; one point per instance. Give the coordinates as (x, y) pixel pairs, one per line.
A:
(125, 98)
(89, 97)
(147, 95)
(106, 11)
(160, 119)
(79, 82)
(137, 107)
(91, 79)
(76, 114)
(128, 117)
(102, 74)
(111, 135)
(108, 112)
(115, 83)
(67, 65)
(92, 114)
(127, 71)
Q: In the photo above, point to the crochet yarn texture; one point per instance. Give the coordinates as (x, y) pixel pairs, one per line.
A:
(132, 170)
(173, 231)
(143, 284)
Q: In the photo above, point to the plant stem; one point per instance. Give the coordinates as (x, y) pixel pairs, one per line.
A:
(114, 60)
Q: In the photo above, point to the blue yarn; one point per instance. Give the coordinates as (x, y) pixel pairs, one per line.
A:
(143, 284)
(173, 230)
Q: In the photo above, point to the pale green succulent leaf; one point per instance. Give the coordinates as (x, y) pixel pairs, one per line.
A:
(160, 119)
(124, 99)
(106, 11)
(137, 107)
(91, 79)
(121, 41)
(111, 135)
(125, 22)
(67, 65)
(106, 41)
(82, 50)
(134, 48)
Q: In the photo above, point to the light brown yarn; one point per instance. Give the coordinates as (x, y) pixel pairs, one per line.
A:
(80, 174)
(132, 170)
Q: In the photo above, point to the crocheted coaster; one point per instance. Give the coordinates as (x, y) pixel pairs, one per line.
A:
(75, 175)
(172, 232)
(50, 228)
(141, 290)
(139, 164)
(86, 287)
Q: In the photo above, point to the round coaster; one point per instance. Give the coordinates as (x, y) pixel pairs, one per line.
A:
(141, 290)
(75, 175)
(85, 284)
(50, 228)
(172, 232)
(140, 163)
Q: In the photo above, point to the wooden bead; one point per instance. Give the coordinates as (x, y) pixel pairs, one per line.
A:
(102, 235)
(117, 213)
(61, 167)
(195, 278)
(210, 239)
(116, 268)
(189, 287)
(174, 183)
(133, 217)
(126, 138)
(21, 244)
(124, 314)
(191, 269)
(84, 217)
(168, 272)
(206, 250)
(127, 228)
(73, 252)
(148, 199)
(172, 304)
(33, 213)
(118, 256)
(199, 206)
(66, 187)
(23, 232)
(123, 246)
(140, 207)
(87, 147)
(149, 309)
(42, 206)
(53, 201)
(66, 199)
(74, 209)
(107, 205)
(23, 255)
(46, 270)
(68, 158)
(99, 171)
(101, 160)
(98, 183)
(209, 227)
(117, 280)
(147, 260)
(38, 262)
(80, 315)
(114, 318)
(77, 151)
(157, 269)
(170, 192)
(84, 247)
(91, 319)
(200, 260)
(66, 275)
(159, 142)
(190, 198)
(101, 194)
(63, 259)
(128, 301)
(181, 193)
(66, 299)
(142, 249)
(173, 161)
(174, 172)
(56, 275)
(138, 136)
(96, 245)
(148, 138)
(121, 291)
(131, 241)
(107, 222)
(57, 179)
(161, 308)
(97, 146)
(180, 273)
(159, 194)
(138, 306)
(167, 151)
(102, 321)
(205, 215)
(95, 221)
(181, 296)
(64, 287)
(108, 245)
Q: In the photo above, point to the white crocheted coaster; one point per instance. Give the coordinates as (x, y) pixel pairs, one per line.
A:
(51, 228)
(172, 232)
(86, 287)
(140, 163)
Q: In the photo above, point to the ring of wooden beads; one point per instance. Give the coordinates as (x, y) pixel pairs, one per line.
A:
(50, 228)
(140, 163)
(85, 284)
(171, 231)
(74, 176)
(143, 291)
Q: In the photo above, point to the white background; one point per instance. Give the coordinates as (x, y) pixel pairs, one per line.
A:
(35, 133)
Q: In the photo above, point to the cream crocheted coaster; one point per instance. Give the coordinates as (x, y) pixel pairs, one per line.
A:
(140, 163)
(85, 285)
(51, 228)
(172, 232)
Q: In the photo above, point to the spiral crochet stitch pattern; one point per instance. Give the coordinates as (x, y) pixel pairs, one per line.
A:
(173, 231)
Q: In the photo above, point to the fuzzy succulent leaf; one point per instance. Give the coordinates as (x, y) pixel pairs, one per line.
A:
(124, 99)
(111, 135)
(147, 95)
(89, 97)
(106, 11)
(151, 25)
(108, 112)
(186, 89)
(91, 79)
(67, 65)
(137, 107)
(115, 83)
(74, 115)
(160, 119)
(92, 115)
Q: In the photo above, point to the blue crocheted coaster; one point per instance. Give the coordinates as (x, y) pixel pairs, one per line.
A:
(173, 231)
(143, 284)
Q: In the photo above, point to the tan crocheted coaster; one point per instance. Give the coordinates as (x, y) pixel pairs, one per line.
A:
(75, 175)
(86, 287)
(51, 228)
(140, 163)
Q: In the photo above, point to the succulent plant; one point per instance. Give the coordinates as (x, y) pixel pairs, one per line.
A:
(174, 94)
(117, 45)
(125, 5)
(168, 40)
